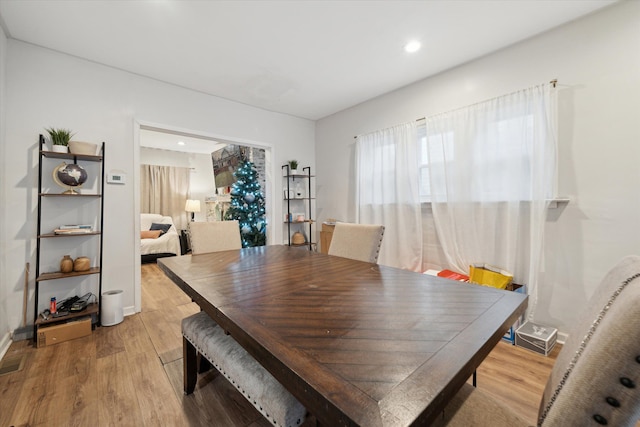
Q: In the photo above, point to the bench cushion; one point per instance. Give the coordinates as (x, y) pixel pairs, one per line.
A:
(243, 371)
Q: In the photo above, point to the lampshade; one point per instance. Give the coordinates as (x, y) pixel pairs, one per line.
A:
(192, 206)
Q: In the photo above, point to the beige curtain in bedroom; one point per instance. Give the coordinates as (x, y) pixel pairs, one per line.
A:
(164, 190)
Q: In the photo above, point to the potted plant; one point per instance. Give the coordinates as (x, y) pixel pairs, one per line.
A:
(59, 139)
(293, 167)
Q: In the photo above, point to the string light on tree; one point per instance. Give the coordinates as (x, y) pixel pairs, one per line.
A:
(247, 206)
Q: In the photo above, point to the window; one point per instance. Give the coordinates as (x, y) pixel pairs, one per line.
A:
(439, 154)
(490, 154)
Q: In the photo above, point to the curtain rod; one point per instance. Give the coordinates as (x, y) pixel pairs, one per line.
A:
(417, 120)
(553, 83)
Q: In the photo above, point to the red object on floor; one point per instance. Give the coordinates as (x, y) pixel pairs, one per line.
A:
(448, 274)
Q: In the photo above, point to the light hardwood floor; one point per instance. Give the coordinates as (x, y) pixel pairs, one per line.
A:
(131, 375)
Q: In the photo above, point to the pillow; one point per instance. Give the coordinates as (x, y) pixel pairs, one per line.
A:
(150, 234)
(162, 227)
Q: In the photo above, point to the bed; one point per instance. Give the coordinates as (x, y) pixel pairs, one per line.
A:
(158, 237)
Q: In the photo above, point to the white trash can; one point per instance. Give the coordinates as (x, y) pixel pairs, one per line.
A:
(112, 312)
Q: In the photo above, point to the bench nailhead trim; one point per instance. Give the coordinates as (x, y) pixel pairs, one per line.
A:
(219, 369)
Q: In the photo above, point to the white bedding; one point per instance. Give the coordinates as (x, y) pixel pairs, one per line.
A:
(167, 243)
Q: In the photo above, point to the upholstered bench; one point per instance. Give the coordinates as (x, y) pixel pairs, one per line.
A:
(202, 335)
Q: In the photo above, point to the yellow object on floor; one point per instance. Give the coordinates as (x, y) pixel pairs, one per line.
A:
(488, 275)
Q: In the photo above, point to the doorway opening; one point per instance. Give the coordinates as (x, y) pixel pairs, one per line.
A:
(167, 146)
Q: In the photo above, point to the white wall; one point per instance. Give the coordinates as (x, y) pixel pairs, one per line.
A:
(4, 300)
(46, 88)
(597, 62)
(202, 183)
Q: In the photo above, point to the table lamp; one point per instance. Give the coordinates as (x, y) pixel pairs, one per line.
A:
(192, 206)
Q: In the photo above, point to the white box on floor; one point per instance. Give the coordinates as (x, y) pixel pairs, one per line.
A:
(538, 338)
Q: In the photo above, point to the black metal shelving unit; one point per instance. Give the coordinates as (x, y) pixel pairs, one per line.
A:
(305, 200)
(93, 309)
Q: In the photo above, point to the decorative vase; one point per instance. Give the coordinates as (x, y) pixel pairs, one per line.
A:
(82, 263)
(298, 238)
(59, 148)
(66, 264)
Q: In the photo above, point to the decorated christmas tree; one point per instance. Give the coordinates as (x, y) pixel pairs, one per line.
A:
(247, 206)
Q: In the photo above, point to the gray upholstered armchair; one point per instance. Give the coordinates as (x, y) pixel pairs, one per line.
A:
(596, 378)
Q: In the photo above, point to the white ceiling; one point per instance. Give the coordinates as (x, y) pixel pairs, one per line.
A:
(305, 58)
(175, 141)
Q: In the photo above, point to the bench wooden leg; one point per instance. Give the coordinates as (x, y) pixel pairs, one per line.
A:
(189, 366)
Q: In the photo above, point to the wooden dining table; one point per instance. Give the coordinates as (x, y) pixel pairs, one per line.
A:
(356, 343)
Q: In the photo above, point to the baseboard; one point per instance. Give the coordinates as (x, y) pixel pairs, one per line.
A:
(5, 343)
(128, 311)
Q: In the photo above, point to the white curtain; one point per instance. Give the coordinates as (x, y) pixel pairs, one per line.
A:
(164, 190)
(388, 192)
(492, 168)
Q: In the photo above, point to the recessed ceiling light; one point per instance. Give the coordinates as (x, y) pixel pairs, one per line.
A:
(412, 46)
(180, 142)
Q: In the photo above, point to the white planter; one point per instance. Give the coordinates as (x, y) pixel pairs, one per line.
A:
(293, 172)
(59, 149)
(79, 147)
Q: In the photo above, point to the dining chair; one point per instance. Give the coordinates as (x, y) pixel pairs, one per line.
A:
(214, 236)
(360, 242)
(596, 377)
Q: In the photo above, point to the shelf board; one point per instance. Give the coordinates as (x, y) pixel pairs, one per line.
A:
(553, 203)
(300, 198)
(47, 235)
(299, 222)
(69, 195)
(299, 175)
(61, 275)
(69, 156)
(91, 309)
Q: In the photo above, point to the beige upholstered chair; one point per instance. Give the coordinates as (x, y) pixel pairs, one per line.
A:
(214, 236)
(596, 378)
(357, 241)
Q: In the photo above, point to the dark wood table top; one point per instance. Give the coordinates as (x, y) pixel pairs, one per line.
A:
(356, 343)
